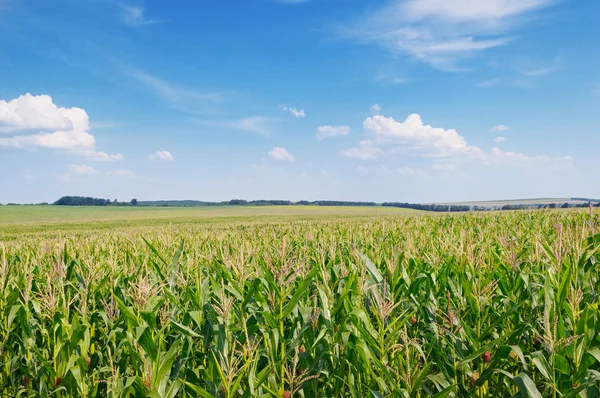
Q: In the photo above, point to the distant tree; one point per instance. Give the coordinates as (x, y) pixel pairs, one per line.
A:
(134, 202)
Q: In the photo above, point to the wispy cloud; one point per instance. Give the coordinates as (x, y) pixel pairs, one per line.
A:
(440, 32)
(281, 155)
(536, 69)
(124, 173)
(447, 167)
(173, 93)
(293, 111)
(521, 82)
(135, 16)
(252, 124)
(332, 131)
(162, 155)
(411, 172)
(500, 139)
(81, 169)
(499, 127)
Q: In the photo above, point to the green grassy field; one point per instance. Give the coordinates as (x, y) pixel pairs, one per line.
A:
(500, 203)
(298, 302)
(74, 214)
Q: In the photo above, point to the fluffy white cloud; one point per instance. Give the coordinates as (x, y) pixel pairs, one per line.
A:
(38, 113)
(411, 135)
(36, 122)
(98, 156)
(445, 148)
(81, 169)
(500, 139)
(441, 31)
(375, 109)
(162, 155)
(293, 111)
(332, 131)
(281, 155)
(500, 127)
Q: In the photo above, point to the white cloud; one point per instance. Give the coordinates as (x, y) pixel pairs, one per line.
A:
(510, 81)
(81, 169)
(441, 31)
(415, 136)
(293, 111)
(410, 172)
(36, 122)
(91, 154)
(500, 127)
(444, 166)
(135, 16)
(162, 155)
(365, 150)
(254, 124)
(446, 148)
(38, 112)
(375, 109)
(390, 78)
(536, 69)
(500, 139)
(332, 131)
(502, 158)
(281, 155)
(378, 169)
(121, 173)
(177, 95)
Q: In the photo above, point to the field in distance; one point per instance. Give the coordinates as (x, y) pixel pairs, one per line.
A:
(516, 202)
(72, 214)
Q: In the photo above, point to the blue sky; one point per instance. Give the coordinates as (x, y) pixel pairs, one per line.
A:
(383, 100)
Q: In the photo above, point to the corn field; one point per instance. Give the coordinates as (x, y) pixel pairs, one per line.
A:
(474, 305)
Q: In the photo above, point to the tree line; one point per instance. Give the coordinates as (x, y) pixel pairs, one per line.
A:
(262, 202)
(89, 201)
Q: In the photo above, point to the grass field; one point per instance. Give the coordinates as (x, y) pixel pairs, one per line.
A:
(302, 302)
(74, 214)
(500, 203)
